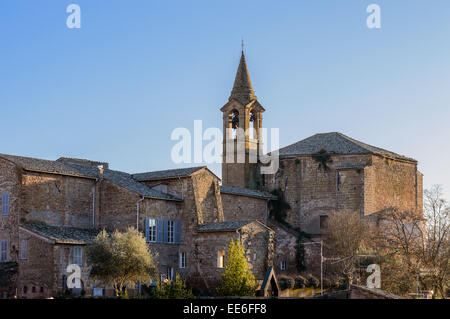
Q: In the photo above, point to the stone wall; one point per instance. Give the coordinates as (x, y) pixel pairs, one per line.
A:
(312, 192)
(237, 207)
(9, 184)
(57, 200)
(389, 183)
(37, 271)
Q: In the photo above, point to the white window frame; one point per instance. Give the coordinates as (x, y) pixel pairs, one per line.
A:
(182, 260)
(283, 264)
(78, 255)
(170, 273)
(152, 230)
(170, 231)
(221, 259)
(23, 249)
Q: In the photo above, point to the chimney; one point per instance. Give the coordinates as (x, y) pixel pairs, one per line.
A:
(100, 171)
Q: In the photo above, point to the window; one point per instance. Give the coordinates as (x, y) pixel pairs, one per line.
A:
(183, 260)
(5, 204)
(78, 256)
(221, 258)
(163, 231)
(170, 231)
(3, 250)
(25, 289)
(23, 249)
(169, 273)
(151, 230)
(283, 265)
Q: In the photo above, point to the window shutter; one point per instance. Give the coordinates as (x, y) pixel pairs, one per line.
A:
(146, 231)
(166, 231)
(7, 204)
(4, 205)
(177, 225)
(159, 232)
(4, 250)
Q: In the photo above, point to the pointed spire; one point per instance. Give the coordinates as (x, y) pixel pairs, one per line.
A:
(242, 88)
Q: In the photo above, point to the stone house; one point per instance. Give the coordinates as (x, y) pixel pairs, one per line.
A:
(53, 209)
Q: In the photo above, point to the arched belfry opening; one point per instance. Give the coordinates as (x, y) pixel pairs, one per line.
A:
(242, 123)
(233, 123)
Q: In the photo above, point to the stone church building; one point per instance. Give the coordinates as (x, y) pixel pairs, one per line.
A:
(52, 209)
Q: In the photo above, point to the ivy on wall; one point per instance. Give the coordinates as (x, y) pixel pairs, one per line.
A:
(7, 271)
(323, 158)
(278, 211)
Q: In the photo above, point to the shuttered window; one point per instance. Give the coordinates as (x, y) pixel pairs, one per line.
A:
(5, 204)
(163, 231)
(78, 256)
(150, 230)
(3, 250)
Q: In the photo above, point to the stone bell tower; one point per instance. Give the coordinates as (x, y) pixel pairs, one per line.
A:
(242, 123)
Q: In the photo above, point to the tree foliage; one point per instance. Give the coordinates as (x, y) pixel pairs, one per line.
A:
(347, 237)
(237, 279)
(415, 249)
(121, 259)
(174, 289)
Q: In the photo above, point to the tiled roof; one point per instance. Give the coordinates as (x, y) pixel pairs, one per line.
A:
(246, 192)
(336, 143)
(223, 226)
(62, 234)
(166, 174)
(41, 165)
(68, 167)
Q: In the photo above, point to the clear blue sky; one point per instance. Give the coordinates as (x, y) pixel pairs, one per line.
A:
(116, 88)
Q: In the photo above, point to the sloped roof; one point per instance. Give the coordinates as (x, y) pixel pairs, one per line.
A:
(42, 165)
(223, 226)
(246, 192)
(61, 166)
(228, 226)
(336, 143)
(166, 174)
(63, 234)
(125, 180)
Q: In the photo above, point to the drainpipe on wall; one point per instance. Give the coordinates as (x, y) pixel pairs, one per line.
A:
(137, 213)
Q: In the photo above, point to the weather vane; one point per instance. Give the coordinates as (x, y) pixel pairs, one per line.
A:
(242, 44)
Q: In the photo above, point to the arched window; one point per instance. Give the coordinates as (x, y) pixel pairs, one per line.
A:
(252, 125)
(233, 123)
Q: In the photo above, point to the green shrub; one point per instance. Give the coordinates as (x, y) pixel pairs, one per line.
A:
(237, 279)
(300, 282)
(174, 289)
(286, 282)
